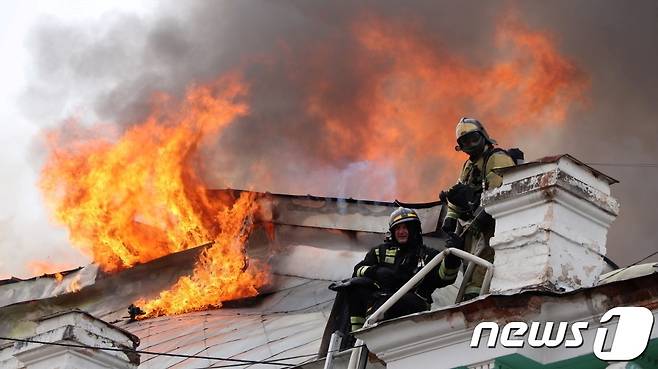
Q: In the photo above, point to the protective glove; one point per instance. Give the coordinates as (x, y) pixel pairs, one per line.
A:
(385, 276)
(353, 282)
(453, 241)
(379, 273)
(443, 196)
(449, 225)
(463, 195)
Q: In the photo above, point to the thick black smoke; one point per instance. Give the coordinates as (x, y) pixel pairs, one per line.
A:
(109, 71)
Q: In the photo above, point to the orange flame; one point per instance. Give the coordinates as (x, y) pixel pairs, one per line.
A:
(59, 277)
(139, 197)
(74, 285)
(40, 267)
(413, 92)
(220, 273)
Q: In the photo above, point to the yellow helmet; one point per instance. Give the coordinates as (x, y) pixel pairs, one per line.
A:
(402, 215)
(468, 125)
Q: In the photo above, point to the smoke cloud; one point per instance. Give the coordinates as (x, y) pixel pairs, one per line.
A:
(311, 91)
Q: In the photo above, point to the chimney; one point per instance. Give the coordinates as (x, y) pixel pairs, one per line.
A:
(72, 328)
(552, 218)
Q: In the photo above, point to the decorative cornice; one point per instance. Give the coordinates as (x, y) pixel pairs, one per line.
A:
(543, 188)
(420, 333)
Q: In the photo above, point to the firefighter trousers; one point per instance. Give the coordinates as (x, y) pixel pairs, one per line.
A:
(363, 301)
(477, 243)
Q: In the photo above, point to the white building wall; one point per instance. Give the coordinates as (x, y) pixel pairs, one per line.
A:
(551, 226)
(48, 350)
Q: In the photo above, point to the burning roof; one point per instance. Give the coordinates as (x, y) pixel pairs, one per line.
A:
(309, 242)
(132, 192)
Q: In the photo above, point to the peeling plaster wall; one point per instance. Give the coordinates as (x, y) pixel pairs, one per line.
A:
(441, 339)
(551, 226)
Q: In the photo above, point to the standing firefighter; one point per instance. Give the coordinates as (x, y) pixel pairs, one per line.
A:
(463, 198)
(390, 265)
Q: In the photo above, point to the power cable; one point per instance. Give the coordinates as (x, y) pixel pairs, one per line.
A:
(286, 358)
(632, 165)
(635, 263)
(312, 356)
(241, 361)
(238, 362)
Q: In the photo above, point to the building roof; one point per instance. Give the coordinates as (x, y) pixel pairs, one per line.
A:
(288, 322)
(316, 241)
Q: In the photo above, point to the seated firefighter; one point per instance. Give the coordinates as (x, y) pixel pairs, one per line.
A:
(478, 174)
(390, 265)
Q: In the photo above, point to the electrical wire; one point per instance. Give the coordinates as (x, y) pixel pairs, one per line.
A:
(217, 365)
(241, 361)
(631, 165)
(635, 263)
(313, 357)
(236, 365)
(237, 362)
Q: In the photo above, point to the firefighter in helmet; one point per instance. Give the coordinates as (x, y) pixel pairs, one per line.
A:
(478, 174)
(390, 265)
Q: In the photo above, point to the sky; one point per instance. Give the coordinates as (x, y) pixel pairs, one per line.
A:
(103, 60)
(27, 232)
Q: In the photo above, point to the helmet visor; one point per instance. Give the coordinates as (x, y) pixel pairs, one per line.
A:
(471, 140)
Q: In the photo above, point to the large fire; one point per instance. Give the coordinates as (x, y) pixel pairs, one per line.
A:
(220, 274)
(139, 197)
(413, 90)
(130, 196)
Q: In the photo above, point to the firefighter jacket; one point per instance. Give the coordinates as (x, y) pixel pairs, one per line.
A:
(406, 261)
(480, 174)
